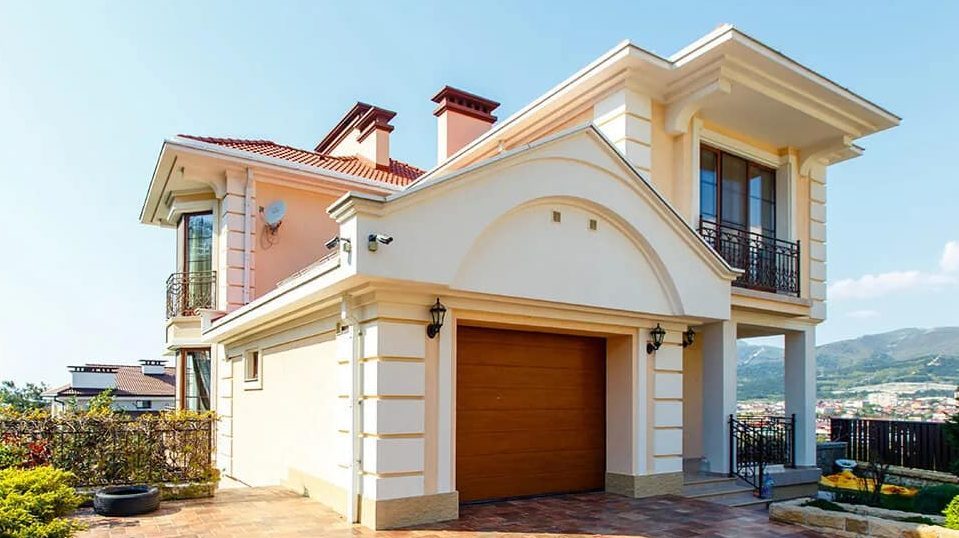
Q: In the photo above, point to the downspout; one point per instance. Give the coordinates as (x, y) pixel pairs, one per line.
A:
(356, 412)
(247, 234)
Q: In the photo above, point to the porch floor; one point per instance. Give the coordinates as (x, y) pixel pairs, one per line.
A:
(250, 512)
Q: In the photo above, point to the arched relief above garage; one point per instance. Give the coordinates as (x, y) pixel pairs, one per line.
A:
(569, 250)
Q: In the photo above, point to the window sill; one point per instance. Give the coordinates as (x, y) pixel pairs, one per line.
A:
(252, 384)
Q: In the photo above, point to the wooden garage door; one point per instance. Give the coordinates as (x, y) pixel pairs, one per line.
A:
(530, 413)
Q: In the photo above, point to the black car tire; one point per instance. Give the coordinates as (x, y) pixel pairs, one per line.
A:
(126, 500)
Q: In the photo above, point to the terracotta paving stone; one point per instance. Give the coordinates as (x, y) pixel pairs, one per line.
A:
(244, 513)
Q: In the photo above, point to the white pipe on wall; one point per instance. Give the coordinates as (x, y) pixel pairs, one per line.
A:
(356, 412)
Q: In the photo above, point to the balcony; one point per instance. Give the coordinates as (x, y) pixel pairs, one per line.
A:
(769, 264)
(187, 293)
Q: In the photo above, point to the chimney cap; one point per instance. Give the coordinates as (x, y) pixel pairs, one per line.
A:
(374, 118)
(450, 98)
(359, 111)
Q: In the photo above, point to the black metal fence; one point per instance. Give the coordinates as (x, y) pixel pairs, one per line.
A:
(919, 445)
(769, 264)
(105, 450)
(186, 293)
(758, 441)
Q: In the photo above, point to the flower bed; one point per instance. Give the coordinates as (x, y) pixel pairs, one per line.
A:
(858, 520)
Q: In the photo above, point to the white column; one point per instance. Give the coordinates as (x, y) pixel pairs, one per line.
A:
(801, 391)
(719, 391)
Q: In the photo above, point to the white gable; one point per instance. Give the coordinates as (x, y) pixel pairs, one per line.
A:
(491, 229)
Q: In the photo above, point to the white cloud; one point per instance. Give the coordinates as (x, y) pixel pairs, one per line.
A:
(872, 286)
(949, 263)
(878, 285)
(862, 314)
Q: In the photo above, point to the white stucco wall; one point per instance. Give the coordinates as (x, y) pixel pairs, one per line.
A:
(290, 423)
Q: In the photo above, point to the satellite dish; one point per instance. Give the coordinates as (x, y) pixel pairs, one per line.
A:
(273, 214)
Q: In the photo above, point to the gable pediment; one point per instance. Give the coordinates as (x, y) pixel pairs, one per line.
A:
(491, 229)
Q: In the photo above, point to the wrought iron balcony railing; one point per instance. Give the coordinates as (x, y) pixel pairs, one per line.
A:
(186, 293)
(769, 264)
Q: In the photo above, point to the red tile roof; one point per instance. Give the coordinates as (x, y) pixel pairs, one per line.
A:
(131, 381)
(398, 174)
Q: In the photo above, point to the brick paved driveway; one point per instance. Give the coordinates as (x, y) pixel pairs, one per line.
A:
(254, 512)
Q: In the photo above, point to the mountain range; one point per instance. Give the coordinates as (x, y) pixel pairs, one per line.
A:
(903, 355)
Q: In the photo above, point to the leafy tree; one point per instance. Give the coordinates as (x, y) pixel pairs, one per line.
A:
(26, 398)
(101, 403)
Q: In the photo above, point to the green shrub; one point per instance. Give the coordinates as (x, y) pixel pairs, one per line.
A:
(933, 499)
(34, 503)
(10, 456)
(952, 514)
(823, 504)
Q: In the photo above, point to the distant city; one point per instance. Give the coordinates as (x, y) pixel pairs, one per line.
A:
(929, 402)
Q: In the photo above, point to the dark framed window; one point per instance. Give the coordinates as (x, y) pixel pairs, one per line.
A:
(195, 389)
(736, 192)
(197, 242)
(252, 366)
(143, 404)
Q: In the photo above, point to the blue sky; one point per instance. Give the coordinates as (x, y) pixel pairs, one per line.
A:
(89, 90)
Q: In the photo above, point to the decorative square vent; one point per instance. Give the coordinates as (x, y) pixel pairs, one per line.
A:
(593, 225)
(557, 217)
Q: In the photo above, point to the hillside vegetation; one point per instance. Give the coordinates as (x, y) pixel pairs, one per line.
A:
(904, 355)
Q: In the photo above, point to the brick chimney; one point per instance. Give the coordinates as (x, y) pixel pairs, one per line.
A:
(373, 136)
(363, 132)
(461, 118)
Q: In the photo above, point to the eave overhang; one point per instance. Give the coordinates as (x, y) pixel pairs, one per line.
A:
(172, 175)
(726, 77)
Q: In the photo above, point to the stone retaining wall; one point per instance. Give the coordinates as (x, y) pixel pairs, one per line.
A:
(917, 478)
(855, 525)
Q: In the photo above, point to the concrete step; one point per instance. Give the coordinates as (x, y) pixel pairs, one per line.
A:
(737, 496)
(714, 491)
(694, 479)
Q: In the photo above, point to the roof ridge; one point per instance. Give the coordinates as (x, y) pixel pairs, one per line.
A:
(400, 173)
(226, 140)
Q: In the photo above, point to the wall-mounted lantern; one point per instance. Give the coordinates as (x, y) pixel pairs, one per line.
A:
(437, 315)
(688, 337)
(657, 335)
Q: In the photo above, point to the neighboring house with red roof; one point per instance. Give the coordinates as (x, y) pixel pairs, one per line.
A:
(145, 388)
(553, 306)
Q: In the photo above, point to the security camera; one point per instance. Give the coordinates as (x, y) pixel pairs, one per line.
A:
(375, 239)
(337, 240)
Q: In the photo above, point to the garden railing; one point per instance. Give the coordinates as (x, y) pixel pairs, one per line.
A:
(105, 450)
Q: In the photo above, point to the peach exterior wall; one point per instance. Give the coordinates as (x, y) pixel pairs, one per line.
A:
(299, 240)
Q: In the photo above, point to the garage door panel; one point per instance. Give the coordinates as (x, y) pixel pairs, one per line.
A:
(508, 464)
(481, 375)
(512, 398)
(478, 444)
(494, 420)
(530, 413)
